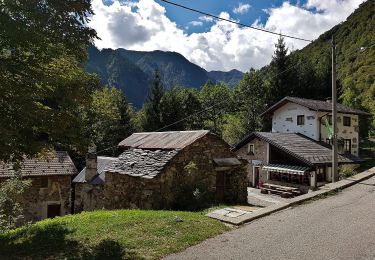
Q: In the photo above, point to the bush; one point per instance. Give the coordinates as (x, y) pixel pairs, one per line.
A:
(346, 172)
(10, 208)
(192, 192)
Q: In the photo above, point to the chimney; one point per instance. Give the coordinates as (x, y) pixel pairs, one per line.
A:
(91, 165)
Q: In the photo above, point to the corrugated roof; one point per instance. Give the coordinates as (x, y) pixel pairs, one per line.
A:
(316, 105)
(162, 140)
(103, 163)
(54, 163)
(142, 163)
(298, 146)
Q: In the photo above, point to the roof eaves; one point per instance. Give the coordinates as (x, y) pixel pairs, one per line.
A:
(275, 106)
(284, 149)
(241, 143)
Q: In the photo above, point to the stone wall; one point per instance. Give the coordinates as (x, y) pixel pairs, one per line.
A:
(35, 200)
(191, 169)
(258, 158)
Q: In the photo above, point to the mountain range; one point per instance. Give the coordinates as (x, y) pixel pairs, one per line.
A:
(133, 71)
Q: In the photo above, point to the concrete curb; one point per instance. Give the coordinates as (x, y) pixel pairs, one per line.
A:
(297, 200)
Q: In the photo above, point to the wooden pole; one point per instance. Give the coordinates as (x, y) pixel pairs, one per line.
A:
(334, 115)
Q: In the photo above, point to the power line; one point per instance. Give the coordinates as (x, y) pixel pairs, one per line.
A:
(224, 101)
(234, 22)
(203, 110)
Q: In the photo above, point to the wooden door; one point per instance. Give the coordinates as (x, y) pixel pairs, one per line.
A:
(256, 177)
(220, 186)
(53, 210)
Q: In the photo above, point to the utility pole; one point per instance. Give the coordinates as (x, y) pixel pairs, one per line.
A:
(334, 115)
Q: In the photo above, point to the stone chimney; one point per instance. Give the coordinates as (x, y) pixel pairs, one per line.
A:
(91, 166)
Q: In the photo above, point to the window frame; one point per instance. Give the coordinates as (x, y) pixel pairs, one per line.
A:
(298, 119)
(348, 144)
(249, 150)
(345, 120)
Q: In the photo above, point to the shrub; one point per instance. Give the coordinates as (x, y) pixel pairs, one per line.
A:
(10, 208)
(346, 172)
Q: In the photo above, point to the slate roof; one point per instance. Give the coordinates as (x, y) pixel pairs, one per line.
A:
(316, 105)
(54, 163)
(299, 146)
(102, 163)
(142, 163)
(162, 140)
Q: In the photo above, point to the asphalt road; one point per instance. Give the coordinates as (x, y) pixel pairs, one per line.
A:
(338, 227)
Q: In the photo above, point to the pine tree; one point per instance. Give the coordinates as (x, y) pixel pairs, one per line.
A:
(281, 80)
(151, 109)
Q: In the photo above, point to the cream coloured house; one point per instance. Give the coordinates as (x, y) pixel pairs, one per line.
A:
(308, 117)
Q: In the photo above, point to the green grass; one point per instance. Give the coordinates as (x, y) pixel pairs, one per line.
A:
(118, 234)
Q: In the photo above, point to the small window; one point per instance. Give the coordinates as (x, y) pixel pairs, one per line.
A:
(347, 146)
(44, 182)
(300, 120)
(347, 120)
(250, 149)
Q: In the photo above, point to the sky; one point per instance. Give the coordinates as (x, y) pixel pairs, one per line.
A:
(147, 25)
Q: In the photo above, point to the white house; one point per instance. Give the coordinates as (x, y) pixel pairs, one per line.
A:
(297, 155)
(308, 117)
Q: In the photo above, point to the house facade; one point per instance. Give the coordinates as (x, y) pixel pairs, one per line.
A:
(309, 117)
(50, 192)
(288, 159)
(162, 170)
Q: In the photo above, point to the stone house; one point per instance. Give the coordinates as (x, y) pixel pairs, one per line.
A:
(308, 117)
(288, 159)
(50, 191)
(162, 170)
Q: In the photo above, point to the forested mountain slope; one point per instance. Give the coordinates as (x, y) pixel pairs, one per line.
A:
(355, 39)
(132, 71)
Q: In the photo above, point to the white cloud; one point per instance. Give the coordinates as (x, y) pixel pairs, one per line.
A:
(196, 23)
(241, 8)
(144, 26)
(206, 18)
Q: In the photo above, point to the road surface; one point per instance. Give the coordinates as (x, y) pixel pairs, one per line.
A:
(338, 227)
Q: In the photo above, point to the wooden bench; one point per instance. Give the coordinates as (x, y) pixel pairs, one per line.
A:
(283, 194)
(283, 191)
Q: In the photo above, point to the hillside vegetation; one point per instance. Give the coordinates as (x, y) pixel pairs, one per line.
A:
(119, 234)
(355, 65)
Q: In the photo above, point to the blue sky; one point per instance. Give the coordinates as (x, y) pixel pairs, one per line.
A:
(148, 25)
(256, 11)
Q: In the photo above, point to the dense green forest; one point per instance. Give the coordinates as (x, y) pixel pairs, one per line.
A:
(50, 101)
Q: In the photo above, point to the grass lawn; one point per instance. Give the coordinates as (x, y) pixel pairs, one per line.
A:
(118, 234)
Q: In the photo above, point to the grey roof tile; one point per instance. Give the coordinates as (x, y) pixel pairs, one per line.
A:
(298, 146)
(54, 163)
(142, 163)
(317, 105)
